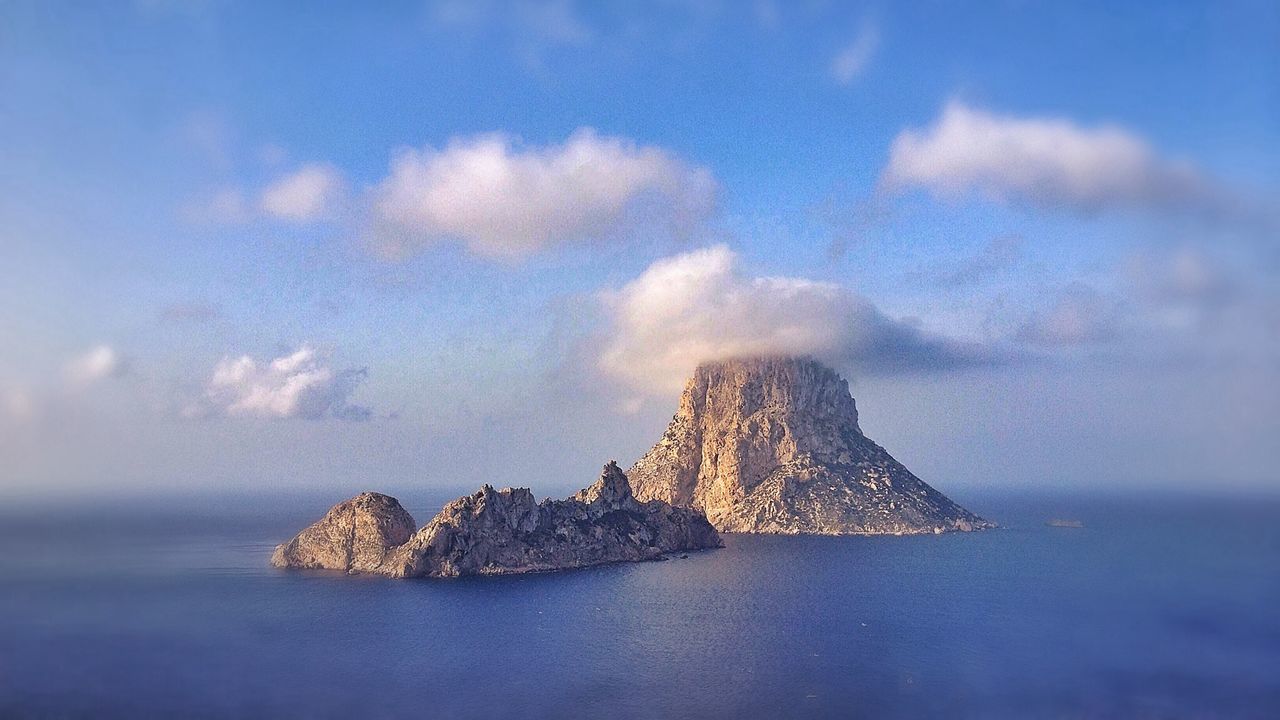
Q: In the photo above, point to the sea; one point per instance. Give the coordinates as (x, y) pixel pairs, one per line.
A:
(1158, 607)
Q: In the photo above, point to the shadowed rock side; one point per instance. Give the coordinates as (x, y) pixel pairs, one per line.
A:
(772, 445)
(498, 532)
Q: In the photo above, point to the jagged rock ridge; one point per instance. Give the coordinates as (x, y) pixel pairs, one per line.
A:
(497, 532)
(772, 445)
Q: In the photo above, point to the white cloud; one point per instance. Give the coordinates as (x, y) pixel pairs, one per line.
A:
(1044, 162)
(298, 385)
(698, 306)
(849, 64)
(311, 193)
(506, 201)
(95, 364)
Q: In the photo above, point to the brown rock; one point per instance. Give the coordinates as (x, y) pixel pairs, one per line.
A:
(354, 536)
(496, 532)
(772, 445)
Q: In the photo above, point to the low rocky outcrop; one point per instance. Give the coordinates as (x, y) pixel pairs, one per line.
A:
(772, 445)
(354, 535)
(498, 532)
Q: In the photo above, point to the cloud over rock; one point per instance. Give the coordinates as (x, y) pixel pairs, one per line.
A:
(699, 306)
(502, 200)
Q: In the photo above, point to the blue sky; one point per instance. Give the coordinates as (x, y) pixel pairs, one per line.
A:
(1039, 238)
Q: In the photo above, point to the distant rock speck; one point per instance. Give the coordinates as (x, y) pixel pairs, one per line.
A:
(1064, 523)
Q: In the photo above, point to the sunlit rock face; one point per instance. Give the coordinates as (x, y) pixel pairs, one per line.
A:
(354, 535)
(772, 445)
(498, 532)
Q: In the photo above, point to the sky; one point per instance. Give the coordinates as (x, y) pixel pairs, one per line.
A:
(424, 245)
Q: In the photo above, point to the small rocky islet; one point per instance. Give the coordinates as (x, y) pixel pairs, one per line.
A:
(758, 445)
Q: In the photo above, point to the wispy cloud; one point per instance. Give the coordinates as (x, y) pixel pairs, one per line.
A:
(1000, 254)
(16, 404)
(1080, 315)
(851, 62)
(221, 206)
(1186, 288)
(531, 28)
(312, 192)
(1184, 275)
(97, 363)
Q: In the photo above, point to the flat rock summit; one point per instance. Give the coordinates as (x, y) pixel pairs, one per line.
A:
(498, 532)
(772, 445)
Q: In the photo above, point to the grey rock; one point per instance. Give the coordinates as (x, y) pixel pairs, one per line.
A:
(772, 445)
(499, 532)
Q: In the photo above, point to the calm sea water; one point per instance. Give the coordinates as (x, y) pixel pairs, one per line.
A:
(1154, 609)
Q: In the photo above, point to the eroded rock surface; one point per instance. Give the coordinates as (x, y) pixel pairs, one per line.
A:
(354, 535)
(496, 532)
(772, 445)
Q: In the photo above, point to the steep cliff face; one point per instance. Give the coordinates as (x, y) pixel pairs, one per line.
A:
(497, 532)
(772, 445)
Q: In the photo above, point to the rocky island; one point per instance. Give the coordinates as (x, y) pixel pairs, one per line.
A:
(498, 532)
(772, 445)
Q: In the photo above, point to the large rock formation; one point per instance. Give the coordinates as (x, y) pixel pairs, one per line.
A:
(772, 445)
(497, 532)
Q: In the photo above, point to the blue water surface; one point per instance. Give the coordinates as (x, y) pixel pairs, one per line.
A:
(1161, 609)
